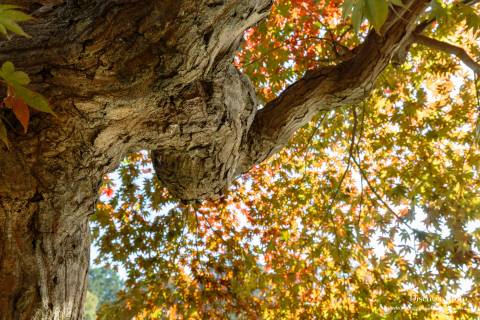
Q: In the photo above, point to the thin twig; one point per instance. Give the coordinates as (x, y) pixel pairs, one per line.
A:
(332, 42)
(360, 137)
(213, 230)
(196, 243)
(385, 204)
(459, 52)
(305, 150)
(350, 156)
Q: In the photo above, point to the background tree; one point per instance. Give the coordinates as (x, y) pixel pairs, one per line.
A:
(91, 303)
(124, 76)
(104, 283)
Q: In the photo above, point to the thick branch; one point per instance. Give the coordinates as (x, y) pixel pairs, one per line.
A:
(327, 88)
(459, 52)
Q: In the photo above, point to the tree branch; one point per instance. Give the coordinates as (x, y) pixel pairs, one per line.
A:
(459, 52)
(327, 88)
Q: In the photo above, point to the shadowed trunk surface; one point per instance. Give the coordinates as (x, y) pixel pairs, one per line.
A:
(126, 75)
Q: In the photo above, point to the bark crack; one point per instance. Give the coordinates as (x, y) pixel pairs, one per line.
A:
(129, 75)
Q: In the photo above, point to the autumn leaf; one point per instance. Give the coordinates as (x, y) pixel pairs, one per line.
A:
(19, 108)
(17, 80)
(302, 229)
(108, 192)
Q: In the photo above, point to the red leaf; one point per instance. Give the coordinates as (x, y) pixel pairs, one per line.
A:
(22, 113)
(19, 107)
(108, 192)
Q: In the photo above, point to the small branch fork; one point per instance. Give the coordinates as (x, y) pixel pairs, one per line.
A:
(446, 47)
(459, 52)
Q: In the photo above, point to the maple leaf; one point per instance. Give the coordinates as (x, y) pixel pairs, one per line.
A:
(301, 230)
(17, 81)
(9, 18)
(108, 192)
(19, 108)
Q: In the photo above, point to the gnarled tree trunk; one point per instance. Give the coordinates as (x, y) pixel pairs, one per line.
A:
(125, 75)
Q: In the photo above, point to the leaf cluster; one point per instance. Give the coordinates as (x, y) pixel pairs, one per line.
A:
(371, 212)
(18, 96)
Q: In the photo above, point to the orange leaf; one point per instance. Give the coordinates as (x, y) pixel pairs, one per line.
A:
(20, 109)
(9, 100)
(108, 192)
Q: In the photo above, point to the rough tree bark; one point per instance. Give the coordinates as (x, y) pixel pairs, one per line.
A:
(125, 75)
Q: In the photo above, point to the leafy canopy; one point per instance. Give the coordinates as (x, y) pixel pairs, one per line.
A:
(371, 212)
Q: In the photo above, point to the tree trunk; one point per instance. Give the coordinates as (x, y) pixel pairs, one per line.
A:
(44, 253)
(126, 75)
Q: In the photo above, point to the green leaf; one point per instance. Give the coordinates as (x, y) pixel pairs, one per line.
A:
(357, 15)
(347, 8)
(9, 17)
(12, 77)
(9, 7)
(8, 67)
(283, 9)
(438, 10)
(33, 99)
(13, 27)
(377, 13)
(15, 15)
(17, 80)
